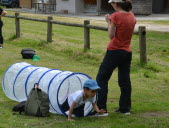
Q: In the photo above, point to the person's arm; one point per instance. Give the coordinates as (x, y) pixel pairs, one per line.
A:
(101, 111)
(71, 111)
(111, 29)
(111, 26)
(3, 13)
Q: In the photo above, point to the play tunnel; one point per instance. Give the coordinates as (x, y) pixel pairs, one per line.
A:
(19, 79)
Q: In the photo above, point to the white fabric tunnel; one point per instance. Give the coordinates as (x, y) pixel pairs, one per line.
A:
(20, 78)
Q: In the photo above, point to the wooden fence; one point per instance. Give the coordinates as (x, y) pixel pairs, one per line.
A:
(141, 32)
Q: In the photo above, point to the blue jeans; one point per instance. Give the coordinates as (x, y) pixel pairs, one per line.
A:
(120, 59)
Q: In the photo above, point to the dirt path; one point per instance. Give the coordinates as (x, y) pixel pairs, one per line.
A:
(153, 27)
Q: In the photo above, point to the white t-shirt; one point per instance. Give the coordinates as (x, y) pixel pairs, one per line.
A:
(77, 97)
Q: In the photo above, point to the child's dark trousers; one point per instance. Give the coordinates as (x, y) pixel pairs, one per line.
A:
(78, 112)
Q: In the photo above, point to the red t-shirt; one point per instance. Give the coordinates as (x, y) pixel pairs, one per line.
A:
(125, 23)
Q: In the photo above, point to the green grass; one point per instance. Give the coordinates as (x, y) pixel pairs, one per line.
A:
(150, 82)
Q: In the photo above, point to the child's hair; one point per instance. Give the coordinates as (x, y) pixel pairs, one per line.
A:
(126, 5)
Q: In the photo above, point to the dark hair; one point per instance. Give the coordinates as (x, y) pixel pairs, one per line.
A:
(86, 88)
(126, 5)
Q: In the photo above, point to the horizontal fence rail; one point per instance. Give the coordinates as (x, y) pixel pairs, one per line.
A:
(67, 24)
(141, 32)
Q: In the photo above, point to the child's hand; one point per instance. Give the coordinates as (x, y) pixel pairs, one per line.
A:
(71, 120)
(101, 111)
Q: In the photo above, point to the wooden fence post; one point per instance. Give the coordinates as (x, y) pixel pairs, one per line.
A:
(17, 25)
(86, 35)
(142, 44)
(49, 31)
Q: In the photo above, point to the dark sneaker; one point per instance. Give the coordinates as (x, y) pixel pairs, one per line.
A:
(118, 111)
(95, 114)
(98, 115)
(126, 113)
(1, 47)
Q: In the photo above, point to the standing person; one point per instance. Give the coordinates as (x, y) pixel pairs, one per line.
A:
(2, 13)
(74, 104)
(120, 29)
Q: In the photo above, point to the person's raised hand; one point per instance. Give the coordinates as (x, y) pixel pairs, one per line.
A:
(107, 17)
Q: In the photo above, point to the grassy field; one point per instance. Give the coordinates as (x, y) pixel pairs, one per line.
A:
(149, 82)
